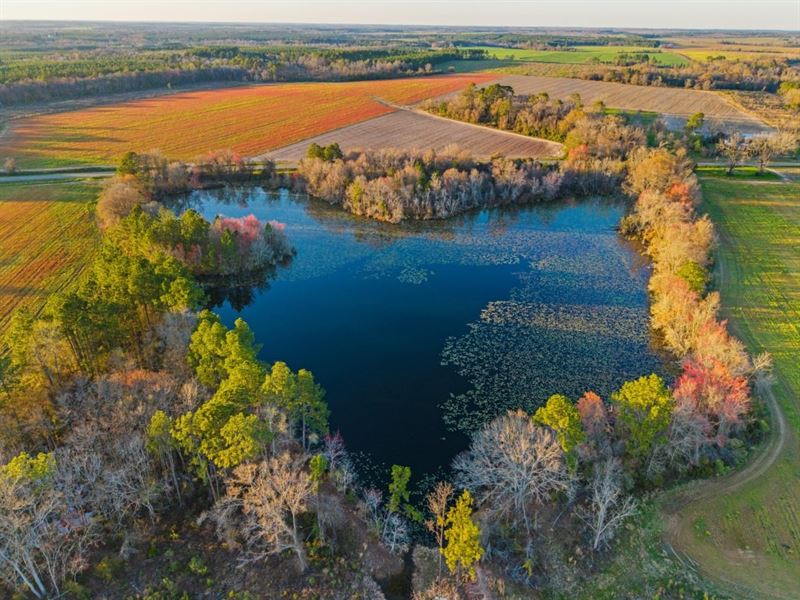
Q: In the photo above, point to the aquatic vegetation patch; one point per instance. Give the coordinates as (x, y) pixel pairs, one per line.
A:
(577, 321)
(512, 366)
(612, 321)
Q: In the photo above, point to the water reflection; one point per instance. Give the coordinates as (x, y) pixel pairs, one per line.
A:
(239, 291)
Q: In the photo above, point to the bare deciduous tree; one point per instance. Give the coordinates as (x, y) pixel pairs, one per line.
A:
(389, 526)
(596, 427)
(395, 533)
(272, 495)
(118, 198)
(608, 506)
(764, 147)
(735, 150)
(44, 533)
(344, 476)
(437, 501)
(334, 450)
(372, 508)
(512, 463)
(689, 431)
(343, 473)
(440, 589)
(762, 371)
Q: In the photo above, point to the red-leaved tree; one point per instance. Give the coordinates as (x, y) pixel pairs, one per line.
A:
(711, 390)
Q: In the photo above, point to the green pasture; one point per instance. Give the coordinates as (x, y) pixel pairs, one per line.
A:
(580, 54)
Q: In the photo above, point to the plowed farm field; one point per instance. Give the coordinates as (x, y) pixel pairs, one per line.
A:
(47, 232)
(249, 120)
(411, 130)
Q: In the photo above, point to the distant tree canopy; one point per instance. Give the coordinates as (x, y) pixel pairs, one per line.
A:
(38, 77)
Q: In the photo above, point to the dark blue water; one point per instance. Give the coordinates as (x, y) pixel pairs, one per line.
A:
(421, 332)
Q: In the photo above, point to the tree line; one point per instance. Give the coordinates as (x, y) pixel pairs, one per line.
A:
(40, 79)
(756, 74)
(565, 121)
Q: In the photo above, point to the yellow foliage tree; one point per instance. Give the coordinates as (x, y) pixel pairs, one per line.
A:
(463, 537)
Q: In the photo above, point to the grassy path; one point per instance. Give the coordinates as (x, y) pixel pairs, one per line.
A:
(743, 530)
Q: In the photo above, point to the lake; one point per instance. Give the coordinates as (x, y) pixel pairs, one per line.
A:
(421, 332)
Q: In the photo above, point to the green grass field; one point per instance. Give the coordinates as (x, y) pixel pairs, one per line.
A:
(746, 173)
(747, 533)
(581, 54)
(641, 118)
(472, 66)
(47, 233)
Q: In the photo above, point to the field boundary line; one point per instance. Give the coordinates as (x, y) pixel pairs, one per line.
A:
(514, 134)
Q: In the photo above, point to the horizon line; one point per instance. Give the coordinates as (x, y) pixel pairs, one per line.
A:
(405, 25)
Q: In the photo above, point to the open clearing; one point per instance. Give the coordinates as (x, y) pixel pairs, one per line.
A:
(249, 120)
(47, 231)
(409, 130)
(744, 529)
(581, 54)
(671, 102)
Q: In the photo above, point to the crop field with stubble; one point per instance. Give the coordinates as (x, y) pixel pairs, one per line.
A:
(46, 235)
(411, 130)
(745, 529)
(248, 120)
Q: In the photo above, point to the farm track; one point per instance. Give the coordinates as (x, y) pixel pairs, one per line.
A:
(705, 489)
(55, 176)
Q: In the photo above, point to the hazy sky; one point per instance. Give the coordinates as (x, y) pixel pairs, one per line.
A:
(720, 14)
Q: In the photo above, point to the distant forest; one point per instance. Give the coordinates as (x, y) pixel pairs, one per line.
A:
(42, 62)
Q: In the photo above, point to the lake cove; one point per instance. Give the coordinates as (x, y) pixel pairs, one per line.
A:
(421, 332)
